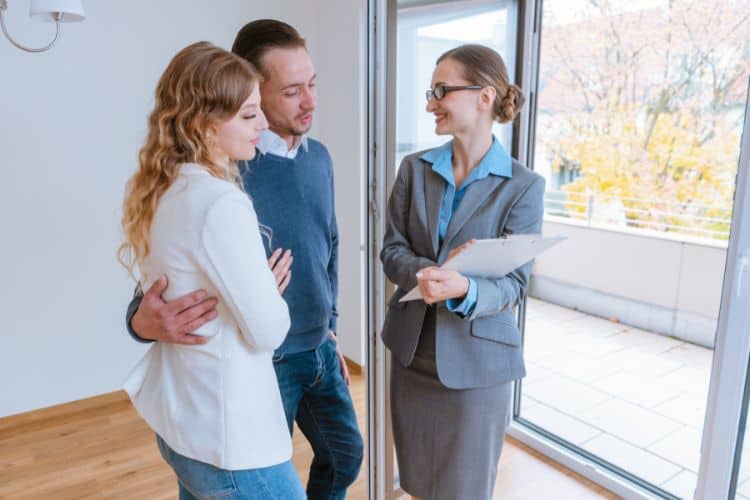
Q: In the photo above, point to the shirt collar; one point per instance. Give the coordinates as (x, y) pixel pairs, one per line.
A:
(496, 162)
(193, 168)
(271, 142)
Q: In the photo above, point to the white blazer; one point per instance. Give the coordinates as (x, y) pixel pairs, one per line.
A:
(218, 403)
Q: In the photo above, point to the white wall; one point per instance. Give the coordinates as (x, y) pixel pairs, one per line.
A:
(71, 123)
(339, 51)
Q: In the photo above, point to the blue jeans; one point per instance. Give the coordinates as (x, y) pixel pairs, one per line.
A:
(317, 397)
(202, 481)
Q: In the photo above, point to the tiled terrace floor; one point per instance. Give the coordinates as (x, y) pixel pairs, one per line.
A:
(633, 397)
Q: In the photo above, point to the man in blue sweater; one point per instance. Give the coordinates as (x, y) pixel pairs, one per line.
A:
(291, 185)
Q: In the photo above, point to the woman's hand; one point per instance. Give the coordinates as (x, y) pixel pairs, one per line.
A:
(438, 284)
(280, 263)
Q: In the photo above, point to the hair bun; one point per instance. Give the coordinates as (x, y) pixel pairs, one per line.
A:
(510, 104)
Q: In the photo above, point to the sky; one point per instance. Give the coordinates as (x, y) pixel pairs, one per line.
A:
(567, 11)
(556, 12)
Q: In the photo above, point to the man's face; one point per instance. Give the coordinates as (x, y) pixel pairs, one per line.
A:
(289, 94)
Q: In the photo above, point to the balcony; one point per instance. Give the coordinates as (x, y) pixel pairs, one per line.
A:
(619, 337)
(633, 397)
(663, 282)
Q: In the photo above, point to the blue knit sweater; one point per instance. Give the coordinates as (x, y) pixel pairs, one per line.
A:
(295, 199)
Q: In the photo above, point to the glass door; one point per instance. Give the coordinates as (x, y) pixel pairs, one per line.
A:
(638, 119)
(411, 35)
(425, 30)
(635, 117)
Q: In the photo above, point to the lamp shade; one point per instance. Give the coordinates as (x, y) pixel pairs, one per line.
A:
(44, 10)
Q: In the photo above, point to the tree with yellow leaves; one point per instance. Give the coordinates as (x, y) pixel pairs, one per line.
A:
(650, 119)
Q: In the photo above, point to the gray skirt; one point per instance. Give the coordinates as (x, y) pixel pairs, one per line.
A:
(448, 441)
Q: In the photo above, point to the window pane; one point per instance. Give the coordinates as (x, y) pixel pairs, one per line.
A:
(426, 32)
(639, 119)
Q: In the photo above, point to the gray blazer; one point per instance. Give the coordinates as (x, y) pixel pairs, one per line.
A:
(485, 348)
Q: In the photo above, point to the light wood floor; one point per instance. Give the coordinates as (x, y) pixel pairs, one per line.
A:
(100, 448)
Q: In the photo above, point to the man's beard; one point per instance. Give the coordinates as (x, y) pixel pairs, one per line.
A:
(300, 129)
(290, 128)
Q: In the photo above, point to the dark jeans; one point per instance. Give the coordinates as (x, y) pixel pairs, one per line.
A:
(317, 397)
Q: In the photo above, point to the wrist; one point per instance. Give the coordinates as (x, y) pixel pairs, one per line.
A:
(464, 287)
(136, 327)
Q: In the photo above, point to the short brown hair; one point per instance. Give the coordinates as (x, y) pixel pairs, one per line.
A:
(258, 37)
(483, 66)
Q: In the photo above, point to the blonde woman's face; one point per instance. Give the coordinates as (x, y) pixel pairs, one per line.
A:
(237, 137)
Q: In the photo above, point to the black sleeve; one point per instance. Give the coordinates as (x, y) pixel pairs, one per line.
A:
(132, 308)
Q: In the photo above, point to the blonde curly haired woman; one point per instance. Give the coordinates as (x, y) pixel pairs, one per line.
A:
(215, 407)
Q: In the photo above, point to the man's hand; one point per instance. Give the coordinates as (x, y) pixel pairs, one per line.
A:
(280, 265)
(173, 322)
(342, 360)
(438, 284)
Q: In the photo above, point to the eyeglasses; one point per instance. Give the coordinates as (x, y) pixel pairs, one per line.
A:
(440, 90)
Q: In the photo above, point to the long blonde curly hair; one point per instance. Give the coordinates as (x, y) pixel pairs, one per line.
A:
(202, 86)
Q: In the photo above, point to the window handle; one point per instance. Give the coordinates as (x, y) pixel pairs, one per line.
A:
(742, 264)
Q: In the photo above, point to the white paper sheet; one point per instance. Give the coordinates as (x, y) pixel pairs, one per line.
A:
(494, 258)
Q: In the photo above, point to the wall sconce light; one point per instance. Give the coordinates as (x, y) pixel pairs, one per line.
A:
(59, 11)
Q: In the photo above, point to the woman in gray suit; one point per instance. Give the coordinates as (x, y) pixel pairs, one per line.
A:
(457, 351)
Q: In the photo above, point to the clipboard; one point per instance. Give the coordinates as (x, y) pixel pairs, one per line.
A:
(494, 258)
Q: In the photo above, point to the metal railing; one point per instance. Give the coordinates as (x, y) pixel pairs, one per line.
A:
(690, 219)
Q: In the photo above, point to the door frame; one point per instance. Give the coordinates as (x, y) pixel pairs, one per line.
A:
(381, 153)
(723, 430)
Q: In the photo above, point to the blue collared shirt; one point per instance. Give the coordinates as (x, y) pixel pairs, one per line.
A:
(496, 162)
